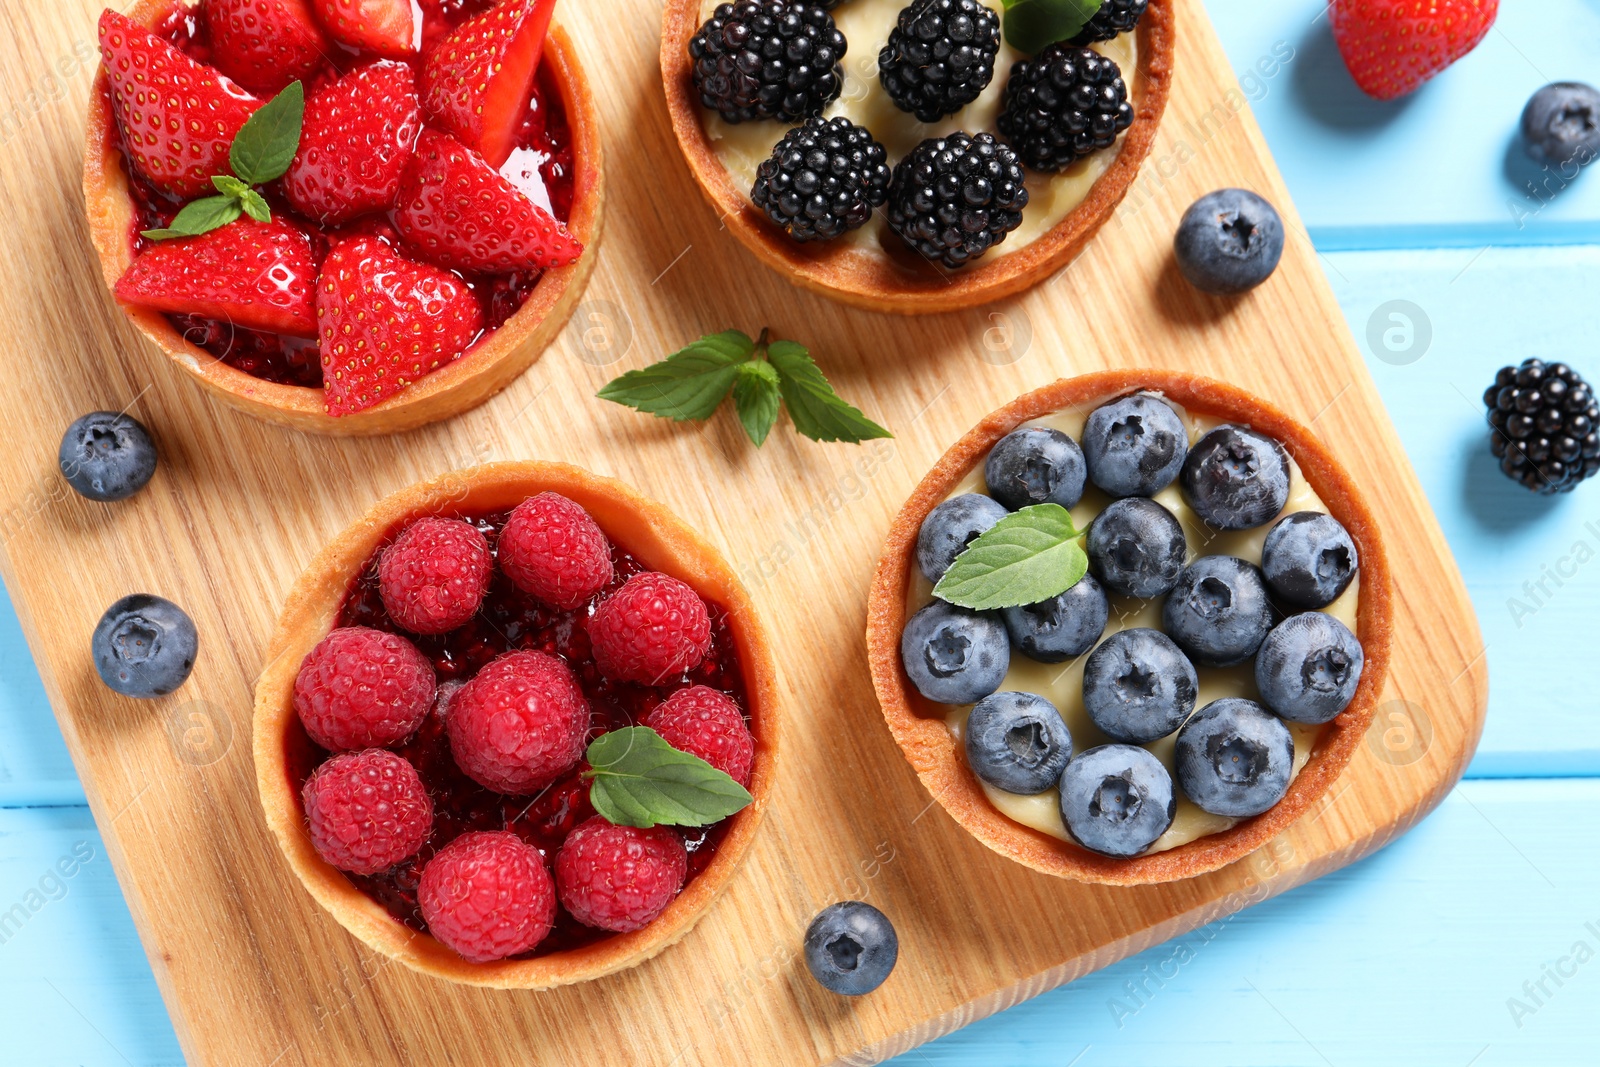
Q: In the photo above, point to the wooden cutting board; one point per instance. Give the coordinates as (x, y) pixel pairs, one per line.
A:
(254, 973)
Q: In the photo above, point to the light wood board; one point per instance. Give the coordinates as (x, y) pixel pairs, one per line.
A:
(254, 973)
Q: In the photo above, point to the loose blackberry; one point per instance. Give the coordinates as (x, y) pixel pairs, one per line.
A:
(1546, 426)
(954, 198)
(768, 59)
(1063, 105)
(940, 56)
(1113, 18)
(823, 179)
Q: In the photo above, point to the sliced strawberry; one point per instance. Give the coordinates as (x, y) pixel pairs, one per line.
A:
(386, 322)
(388, 27)
(178, 117)
(457, 211)
(476, 82)
(1393, 46)
(253, 274)
(264, 44)
(355, 143)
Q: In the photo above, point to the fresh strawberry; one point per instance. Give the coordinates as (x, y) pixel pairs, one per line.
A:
(253, 274)
(355, 143)
(457, 211)
(178, 117)
(385, 322)
(475, 82)
(264, 44)
(1393, 46)
(387, 27)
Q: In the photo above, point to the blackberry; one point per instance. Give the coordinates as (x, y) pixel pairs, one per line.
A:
(954, 198)
(1062, 105)
(823, 179)
(768, 59)
(1546, 426)
(1113, 18)
(940, 56)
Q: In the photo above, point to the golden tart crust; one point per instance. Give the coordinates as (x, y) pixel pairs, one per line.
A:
(919, 727)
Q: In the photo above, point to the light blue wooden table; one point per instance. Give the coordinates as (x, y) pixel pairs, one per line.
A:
(1475, 940)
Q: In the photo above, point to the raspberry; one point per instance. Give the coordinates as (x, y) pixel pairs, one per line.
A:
(487, 896)
(433, 578)
(551, 548)
(519, 724)
(650, 630)
(619, 878)
(705, 723)
(362, 688)
(367, 811)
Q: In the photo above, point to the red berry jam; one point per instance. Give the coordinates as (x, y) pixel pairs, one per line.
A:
(511, 620)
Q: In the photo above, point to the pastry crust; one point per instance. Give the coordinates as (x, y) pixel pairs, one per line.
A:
(873, 280)
(919, 726)
(483, 371)
(640, 527)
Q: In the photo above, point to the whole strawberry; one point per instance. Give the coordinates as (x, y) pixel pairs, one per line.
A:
(366, 811)
(552, 549)
(355, 142)
(655, 628)
(433, 578)
(487, 896)
(619, 878)
(707, 723)
(363, 688)
(519, 724)
(263, 44)
(475, 82)
(1393, 46)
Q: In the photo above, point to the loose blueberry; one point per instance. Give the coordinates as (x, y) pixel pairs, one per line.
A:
(1117, 799)
(107, 456)
(1018, 742)
(1229, 241)
(144, 646)
(1136, 548)
(1218, 612)
(1062, 627)
(1308, 668)
(1235, 478)
(851, 947)
(1035, 465)
(1134, 446)
(1308, 560)
(1561, 124)
(1139, 686)
(955, 656)
(1234, 759)
(950, 528)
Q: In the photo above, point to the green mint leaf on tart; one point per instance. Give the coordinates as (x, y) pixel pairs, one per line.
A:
(228, 185)
(689, 384)
(637, 779)
(265, 146)
(818, 412)
(1031, 26)
(756, 398)
(255, 205)
(200, 216)
(1029, 556)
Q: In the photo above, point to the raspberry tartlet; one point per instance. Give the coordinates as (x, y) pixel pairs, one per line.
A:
(836, 160)
(429, 238)
(440, 792)
(1201, 684)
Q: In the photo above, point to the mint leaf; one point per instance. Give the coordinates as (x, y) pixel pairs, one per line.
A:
(637, 779)
(1029, 556)
(201, 216)
(255, 205)
(687, 385)
(755, 397)
(265, 146)
(1031, 26)
(817, 411)
(228, 185)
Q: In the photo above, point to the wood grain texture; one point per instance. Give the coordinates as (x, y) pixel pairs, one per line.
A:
(254, 972)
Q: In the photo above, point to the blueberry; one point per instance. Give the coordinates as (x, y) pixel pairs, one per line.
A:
(851, 947)
(1229, 241)
(1138, 686)
(1234, 758)
(1235, 478)
(1064, 626)
(1117, 799)
(1136, 548)
(144, 646)
(1308, 560)
(1018, 742)
(107, 456)
(955, 656)
(1035, 465)
(1561, 124)
(1134, 446)
(950, 528)
(1218, 613)
(1308, 667)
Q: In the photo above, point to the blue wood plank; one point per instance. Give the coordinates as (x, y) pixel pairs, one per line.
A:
(34, 765)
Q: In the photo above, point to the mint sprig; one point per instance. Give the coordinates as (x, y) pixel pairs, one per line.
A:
(637, 779)
(1027, 557)
(764, 376)
(261, 152)
(1031, 26)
